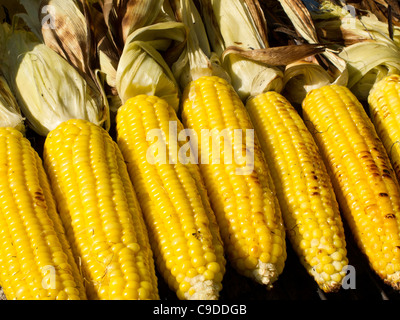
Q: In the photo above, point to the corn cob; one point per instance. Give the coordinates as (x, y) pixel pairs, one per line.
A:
(183, 230)
(309, 207)
(36, 261)
(384, 105)
(100, 212)
(245, 203)
(363, 178)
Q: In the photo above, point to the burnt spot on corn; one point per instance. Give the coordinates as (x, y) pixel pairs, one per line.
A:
(39, 196)
(383, 194)
(39, 199)
(390, 216)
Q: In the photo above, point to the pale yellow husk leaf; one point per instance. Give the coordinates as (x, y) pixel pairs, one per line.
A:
(368, 62)
(143, 70)
(10, 114)
(197, 59)
(48, 89)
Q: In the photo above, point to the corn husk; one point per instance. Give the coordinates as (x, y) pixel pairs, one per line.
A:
(343, 24)
(303, 77)
(115, 21)
(134, 40)
(241, 25)
(369, 49)
(66, 30)
(143, 70)
(48, 89)
(123, 17)
(10, 114)
(197, 59)
(368, 62)
(238, 34)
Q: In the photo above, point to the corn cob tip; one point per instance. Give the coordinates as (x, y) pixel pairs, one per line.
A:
(328, 286)
(265, 273)
(393, 280)
(202, 289)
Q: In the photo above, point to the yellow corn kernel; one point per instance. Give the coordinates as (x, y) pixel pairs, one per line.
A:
(100, 212)
(363, 178)
(36, 262)
(237, 178)
(182, 226)
(305, 192)
(384, 106)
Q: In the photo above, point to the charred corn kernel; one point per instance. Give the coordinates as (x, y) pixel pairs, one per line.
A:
(240, 187)
(182, 226)
(384, 106)
(36, 261)
(100, 212)
(362, 175)
(305, 192)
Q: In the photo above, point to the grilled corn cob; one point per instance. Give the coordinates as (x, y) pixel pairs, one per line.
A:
(182, 226)
(363, 178)
(245, 203)
(309, 207)
(100, 212)
(384, 105)
(36, 261)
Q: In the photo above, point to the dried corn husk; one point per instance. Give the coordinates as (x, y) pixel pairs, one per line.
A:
(48, 89)
(301, 77)
(197, 59)
(238, 34)
(125, 16)
(367, 47)
(241, 24)
(107, 52)
(343, 24)
(143, 70)
(10, 114)
(134, 39)
(67, 32)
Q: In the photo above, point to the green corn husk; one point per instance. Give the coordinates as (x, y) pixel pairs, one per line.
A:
(48, 89)
(30, 16)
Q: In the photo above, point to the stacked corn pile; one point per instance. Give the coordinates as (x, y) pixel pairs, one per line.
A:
(110, 189)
